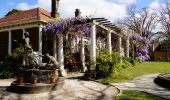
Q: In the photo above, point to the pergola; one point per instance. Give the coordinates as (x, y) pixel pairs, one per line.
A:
(93, 23)
(111, 29)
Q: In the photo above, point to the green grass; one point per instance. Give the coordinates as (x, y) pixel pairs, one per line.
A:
(140, 69)
(136, 95)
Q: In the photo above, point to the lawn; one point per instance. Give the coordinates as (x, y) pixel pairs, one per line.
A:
(140, 69)
(136, 95)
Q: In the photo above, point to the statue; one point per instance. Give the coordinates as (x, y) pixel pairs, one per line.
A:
(28, 58)
(26, 39)
(52, 62)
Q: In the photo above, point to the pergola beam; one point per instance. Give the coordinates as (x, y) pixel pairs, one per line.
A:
(103, 22)
(106, 28)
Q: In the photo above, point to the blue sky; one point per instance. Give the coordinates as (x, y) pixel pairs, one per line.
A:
(112, 9)
(7, 5)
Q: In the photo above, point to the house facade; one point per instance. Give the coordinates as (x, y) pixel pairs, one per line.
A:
(13, 26)
(162, 51)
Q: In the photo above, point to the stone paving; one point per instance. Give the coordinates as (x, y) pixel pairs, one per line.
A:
(74, 89)
(145, 83)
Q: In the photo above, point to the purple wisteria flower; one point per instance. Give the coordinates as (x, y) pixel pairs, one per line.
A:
(142, 47)
(63, 26)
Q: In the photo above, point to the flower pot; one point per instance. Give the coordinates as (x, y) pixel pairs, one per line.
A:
(52, 79)
(20, 80)
(34, 80)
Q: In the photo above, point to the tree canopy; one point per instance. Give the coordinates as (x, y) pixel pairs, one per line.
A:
(12, 12)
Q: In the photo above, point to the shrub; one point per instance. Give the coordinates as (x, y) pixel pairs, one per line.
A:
(105, 64)
(126, 64)
(11, 65)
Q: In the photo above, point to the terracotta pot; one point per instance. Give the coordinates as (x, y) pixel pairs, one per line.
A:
(20, 80)
(52, 79)
(34, 80)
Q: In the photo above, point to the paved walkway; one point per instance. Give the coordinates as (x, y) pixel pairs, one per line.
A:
(145, 83)
(74, 89)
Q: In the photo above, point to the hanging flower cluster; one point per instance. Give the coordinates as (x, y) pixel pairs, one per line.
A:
(65, 25)
(142, 47)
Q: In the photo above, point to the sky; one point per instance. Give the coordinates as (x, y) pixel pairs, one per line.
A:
(110, 9)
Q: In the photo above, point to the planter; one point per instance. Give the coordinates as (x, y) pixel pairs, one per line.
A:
(20, 80)
(34, 80)
(53, 79)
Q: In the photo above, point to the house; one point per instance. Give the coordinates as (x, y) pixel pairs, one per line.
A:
(162, 51)
(13, 26)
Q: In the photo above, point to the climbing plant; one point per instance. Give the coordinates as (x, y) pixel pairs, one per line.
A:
(141, 45)
(65, 25)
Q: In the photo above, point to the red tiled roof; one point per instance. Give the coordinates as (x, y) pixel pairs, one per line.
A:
(26, 16)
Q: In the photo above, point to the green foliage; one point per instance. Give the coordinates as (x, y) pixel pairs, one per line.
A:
(56, 19)
(137, 95)
(12, 12)
(105, 64)
(11, 65)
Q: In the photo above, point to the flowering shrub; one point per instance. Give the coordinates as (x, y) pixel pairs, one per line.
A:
(73, 65)
(142, 47)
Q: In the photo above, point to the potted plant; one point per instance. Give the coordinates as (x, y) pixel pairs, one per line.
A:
(34, 79)
(20, 79)
(53, 79)
(19, 74)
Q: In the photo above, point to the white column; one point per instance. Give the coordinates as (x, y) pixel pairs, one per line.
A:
(82, 54)
(109, 46)
(73, 44)
(23, 30)
(9, 42)
(40, 44)
(77, 43)
(55, 47)
(93, 46)
(127, 48)
(120, 47)
(61, 54)
(119, 44)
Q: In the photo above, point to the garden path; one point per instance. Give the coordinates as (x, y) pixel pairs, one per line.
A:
(145, 83)
(74, 89)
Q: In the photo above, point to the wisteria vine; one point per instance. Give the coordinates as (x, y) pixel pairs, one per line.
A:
(142, 47)
(65, 25)
(80, 24)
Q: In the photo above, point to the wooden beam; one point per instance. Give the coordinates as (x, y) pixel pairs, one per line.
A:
(103, 22)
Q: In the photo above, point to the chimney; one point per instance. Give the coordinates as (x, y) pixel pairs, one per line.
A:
(54, 8)
(77, 13)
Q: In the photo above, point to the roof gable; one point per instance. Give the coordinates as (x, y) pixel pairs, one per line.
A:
(36, 14)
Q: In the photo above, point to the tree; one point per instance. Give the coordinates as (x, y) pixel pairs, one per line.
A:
(12, 12)
(142, 22)
(165, 20)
